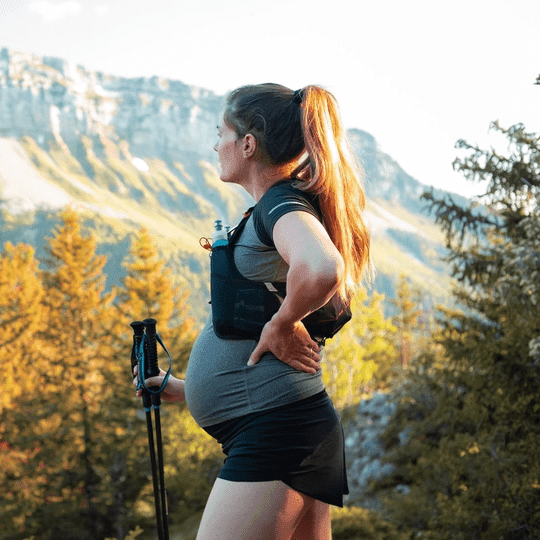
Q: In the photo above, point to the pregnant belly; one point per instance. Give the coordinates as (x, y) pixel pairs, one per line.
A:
(220, 385)
(215, 380)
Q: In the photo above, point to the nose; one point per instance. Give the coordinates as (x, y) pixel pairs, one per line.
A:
(215, 146)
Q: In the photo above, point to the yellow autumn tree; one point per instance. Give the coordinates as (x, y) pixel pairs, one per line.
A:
(149, 290)
(74, 420)
(20, 317)
(22, 369)
(358, 358)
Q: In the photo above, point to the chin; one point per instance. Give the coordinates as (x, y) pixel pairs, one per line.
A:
(226, 180)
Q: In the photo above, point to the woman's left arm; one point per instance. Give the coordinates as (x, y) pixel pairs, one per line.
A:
(314, 275)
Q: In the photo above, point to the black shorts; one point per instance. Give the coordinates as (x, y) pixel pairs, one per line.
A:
(301, 444)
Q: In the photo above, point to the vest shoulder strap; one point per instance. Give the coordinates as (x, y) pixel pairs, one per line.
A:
(235, 233)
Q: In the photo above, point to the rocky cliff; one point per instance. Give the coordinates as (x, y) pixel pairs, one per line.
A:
(47, 97)
(138, 152)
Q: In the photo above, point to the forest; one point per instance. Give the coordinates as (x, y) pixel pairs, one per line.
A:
(73, 442)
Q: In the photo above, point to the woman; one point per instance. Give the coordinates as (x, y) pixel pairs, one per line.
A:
(264, 399)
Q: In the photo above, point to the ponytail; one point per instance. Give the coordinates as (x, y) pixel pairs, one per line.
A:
(331, 171)
(287, 125)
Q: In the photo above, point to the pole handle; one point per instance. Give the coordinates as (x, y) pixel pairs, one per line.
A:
(144, 355)
(138, 333)
(150, 348)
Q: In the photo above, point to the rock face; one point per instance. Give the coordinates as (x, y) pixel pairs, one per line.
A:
(138, 152)
(365, 451)
(48, 97)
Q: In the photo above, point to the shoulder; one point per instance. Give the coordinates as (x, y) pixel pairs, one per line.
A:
(279, 200)
(285, 194)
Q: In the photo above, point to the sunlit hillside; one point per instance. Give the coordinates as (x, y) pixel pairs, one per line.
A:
(132, 153)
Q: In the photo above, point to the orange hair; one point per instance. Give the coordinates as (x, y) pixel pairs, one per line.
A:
(331, 171)
(289, 124)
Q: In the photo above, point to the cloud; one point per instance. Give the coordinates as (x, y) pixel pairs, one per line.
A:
(52, 12)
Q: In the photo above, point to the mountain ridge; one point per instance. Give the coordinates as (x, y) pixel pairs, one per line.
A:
(138, 152)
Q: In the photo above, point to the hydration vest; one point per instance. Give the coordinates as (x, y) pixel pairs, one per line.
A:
(241, 307)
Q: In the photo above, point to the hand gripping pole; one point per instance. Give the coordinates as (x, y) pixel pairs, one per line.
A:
(144, 355)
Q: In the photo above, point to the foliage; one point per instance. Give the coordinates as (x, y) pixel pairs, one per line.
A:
(131, 536)
(147, 287)
(406, 319)
(73, 444)
(148, 292)
(352, 523)
(74, 366)
(21, 294)
(362, 354)
(193, 460)
(472, 407)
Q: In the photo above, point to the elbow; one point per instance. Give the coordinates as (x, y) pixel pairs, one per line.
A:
(331, 273)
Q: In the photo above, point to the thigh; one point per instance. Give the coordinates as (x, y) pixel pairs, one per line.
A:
(316, 523)
(253, 511)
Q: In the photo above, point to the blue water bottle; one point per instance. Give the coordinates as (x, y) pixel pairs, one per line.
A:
(219, 235)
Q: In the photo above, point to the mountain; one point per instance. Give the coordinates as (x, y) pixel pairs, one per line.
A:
(134, 152)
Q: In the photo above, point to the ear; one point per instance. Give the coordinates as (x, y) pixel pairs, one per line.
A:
(249, 145)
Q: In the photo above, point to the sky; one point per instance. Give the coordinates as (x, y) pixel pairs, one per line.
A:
(418, 75)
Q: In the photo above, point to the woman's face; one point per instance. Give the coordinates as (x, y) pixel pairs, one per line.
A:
(229, 152)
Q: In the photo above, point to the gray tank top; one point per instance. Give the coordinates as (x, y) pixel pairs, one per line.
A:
(219, 384)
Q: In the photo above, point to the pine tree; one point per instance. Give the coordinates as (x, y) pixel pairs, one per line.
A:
(20, 317)
(69, 420)
(473, 454)
(22, 370)
(378, 333)
(147, 288)
(406, 319)
(149, 291)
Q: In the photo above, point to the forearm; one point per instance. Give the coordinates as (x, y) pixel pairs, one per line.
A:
(308, 289)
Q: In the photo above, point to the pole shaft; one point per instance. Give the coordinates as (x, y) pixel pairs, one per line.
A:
(163, 492)
(151, 444)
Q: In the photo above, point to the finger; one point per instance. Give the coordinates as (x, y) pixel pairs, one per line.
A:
(315, 360)
(154, 381)
(305, 367)
(255, 356)
(313, 365)
(313, 354)
(307, 362)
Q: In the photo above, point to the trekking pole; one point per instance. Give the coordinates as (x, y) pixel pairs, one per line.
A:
(151, 350)
(144, 356)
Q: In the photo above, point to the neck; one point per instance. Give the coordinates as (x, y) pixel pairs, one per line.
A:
(263, 178)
